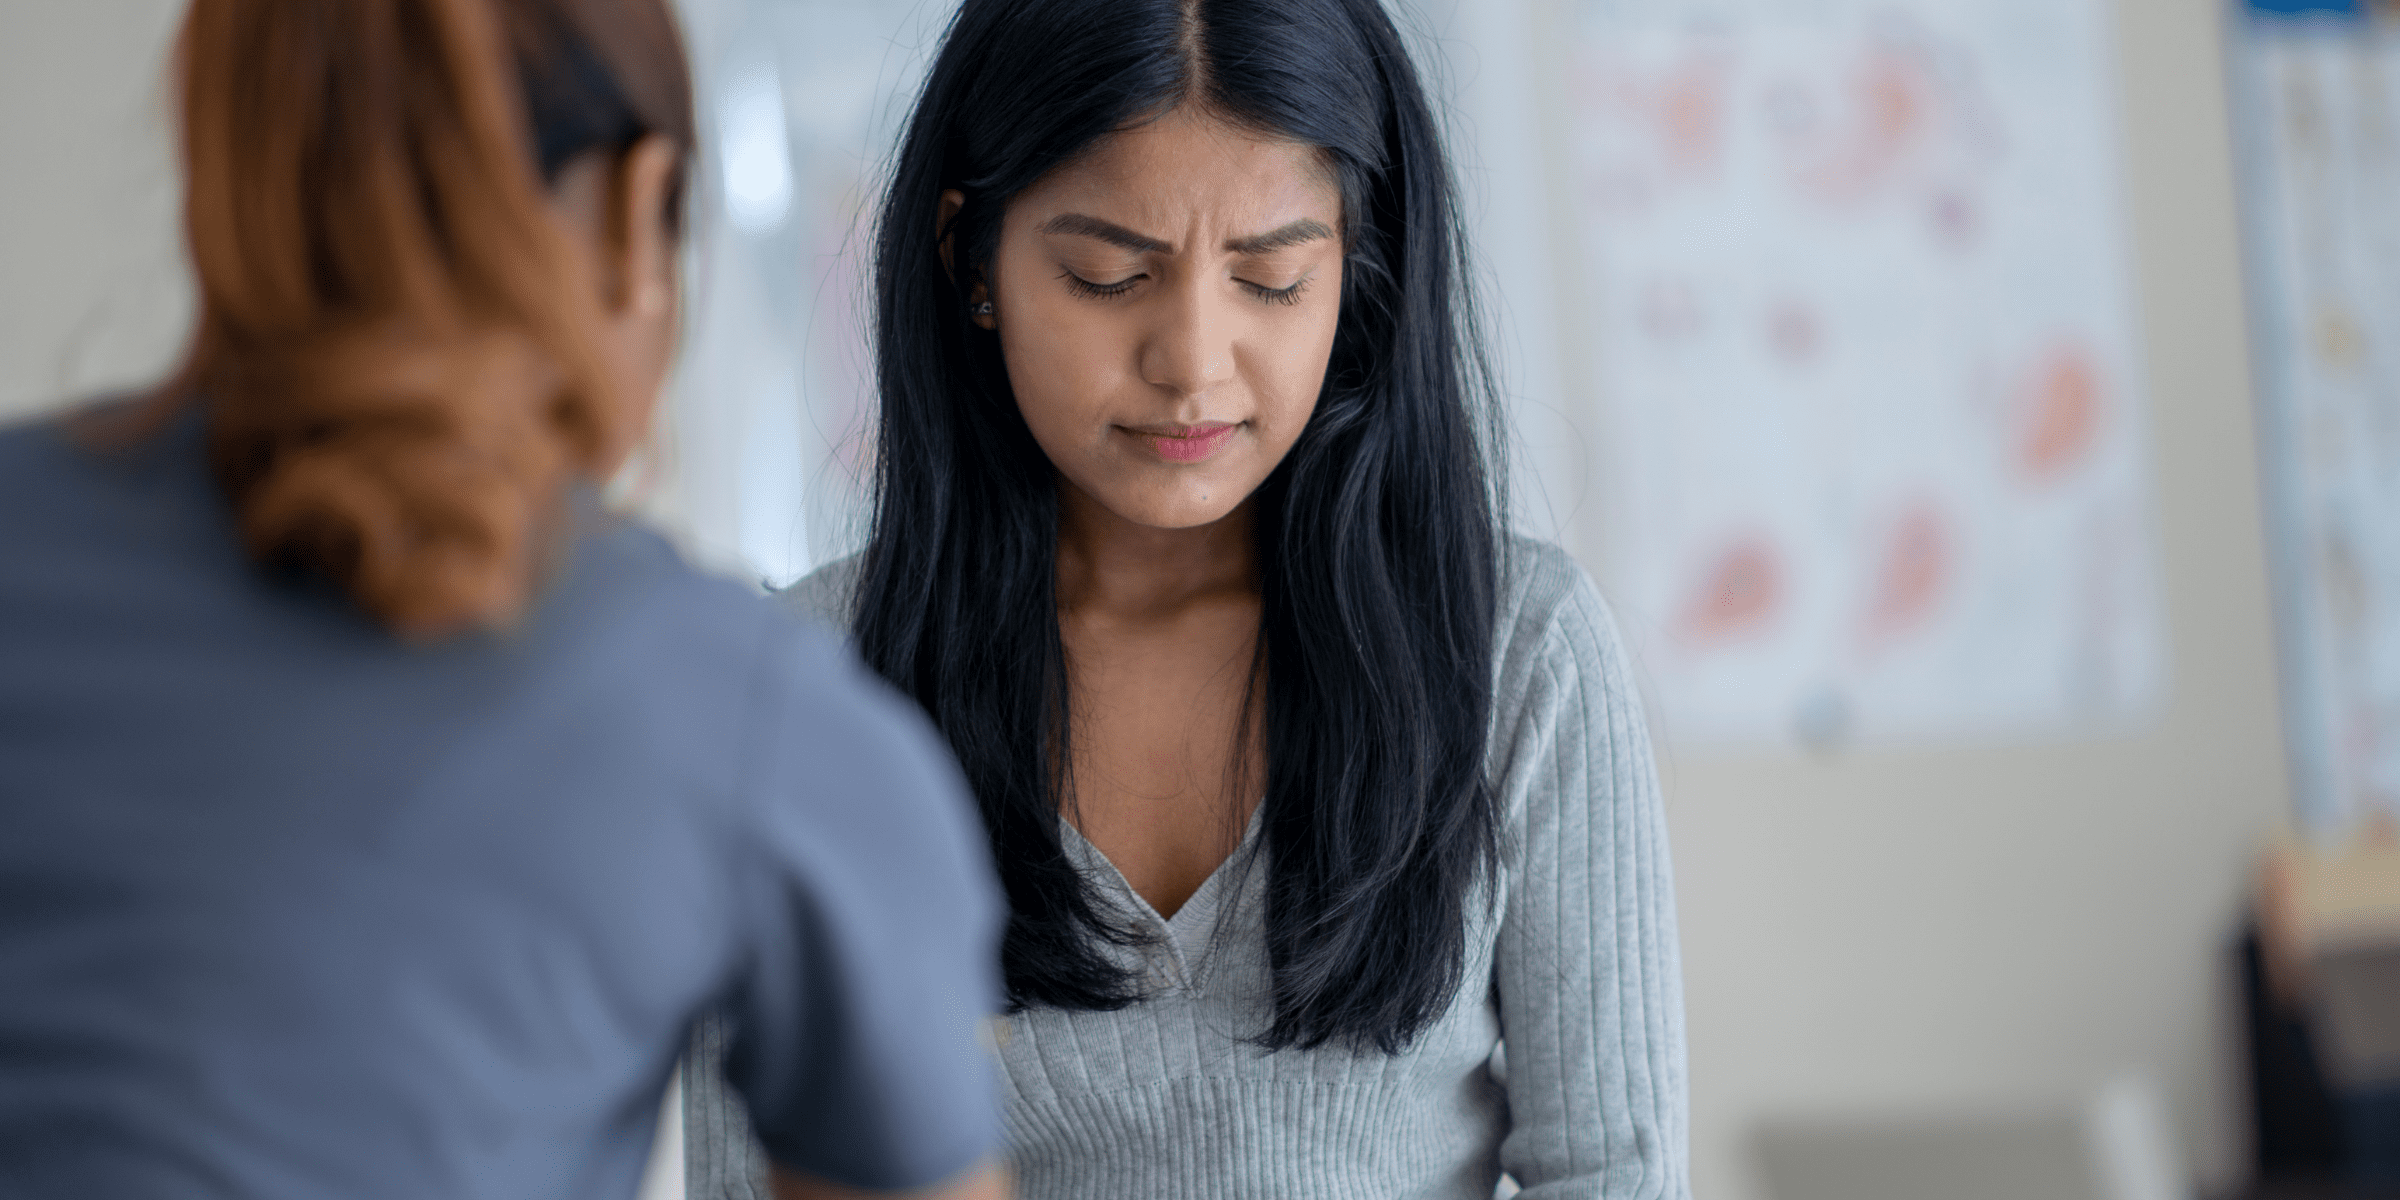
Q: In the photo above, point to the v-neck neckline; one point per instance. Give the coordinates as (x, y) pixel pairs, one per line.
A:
(1206, 892)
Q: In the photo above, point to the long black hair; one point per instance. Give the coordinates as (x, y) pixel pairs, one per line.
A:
(1377, 535)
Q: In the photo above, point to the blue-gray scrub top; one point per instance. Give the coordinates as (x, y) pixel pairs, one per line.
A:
(289, 908)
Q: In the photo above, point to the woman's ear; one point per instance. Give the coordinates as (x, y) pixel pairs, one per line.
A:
(643, 273)
(979, 296)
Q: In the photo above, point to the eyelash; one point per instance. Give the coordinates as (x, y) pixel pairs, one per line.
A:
(1110, 291)
(1097, 291)
(1282, 295)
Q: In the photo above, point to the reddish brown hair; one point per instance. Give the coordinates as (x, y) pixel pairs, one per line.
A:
(395, 350)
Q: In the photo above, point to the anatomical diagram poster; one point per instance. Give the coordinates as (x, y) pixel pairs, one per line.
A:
(2317, 104)
(1859, 318)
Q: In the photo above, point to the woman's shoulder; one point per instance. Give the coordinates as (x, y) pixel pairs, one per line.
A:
(825, 595)
(1549, 609)
(1557, 650)
(1568, 725)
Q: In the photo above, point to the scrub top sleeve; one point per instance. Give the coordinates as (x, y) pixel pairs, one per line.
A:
(855, 1023)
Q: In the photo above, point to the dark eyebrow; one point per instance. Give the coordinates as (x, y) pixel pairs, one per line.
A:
(1080, 225)
(1302, 230)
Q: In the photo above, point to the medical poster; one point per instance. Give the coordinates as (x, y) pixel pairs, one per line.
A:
(2318, 111)
(1863, 336)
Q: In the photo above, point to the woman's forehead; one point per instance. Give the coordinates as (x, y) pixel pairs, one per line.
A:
(1191, 170)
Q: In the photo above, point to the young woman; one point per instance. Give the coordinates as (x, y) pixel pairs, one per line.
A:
(378, 813)
(1310, 791)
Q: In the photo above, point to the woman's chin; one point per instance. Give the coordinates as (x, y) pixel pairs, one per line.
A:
(1188, 506)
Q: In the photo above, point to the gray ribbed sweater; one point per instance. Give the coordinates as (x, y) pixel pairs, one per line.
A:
(1580, 971)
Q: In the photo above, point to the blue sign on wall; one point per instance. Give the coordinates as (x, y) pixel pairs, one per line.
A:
(2293, 8)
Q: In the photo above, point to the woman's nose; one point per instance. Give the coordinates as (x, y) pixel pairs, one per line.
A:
(1190, 348)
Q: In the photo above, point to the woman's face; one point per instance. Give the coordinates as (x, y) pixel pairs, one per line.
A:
(1166, 304)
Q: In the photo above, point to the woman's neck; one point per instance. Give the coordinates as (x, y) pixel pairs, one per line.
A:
(1109, 564)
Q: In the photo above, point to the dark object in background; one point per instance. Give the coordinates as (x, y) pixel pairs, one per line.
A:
(2307, 1128)
(2290, 1190)
(2296, 1127)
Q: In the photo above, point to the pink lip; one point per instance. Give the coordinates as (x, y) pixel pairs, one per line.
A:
(1185, 443)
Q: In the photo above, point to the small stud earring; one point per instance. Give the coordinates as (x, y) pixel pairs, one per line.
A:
(982, 310)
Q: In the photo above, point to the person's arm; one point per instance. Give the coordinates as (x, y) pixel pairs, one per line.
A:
(983, 1183)
(1587, 969)
(850, 1035)
(723, 1160)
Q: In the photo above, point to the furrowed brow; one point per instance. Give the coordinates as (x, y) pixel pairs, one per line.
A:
(1079, 225)
(1302, 230)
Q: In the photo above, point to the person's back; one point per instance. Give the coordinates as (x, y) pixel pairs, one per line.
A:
(377, 813)
(289, 907)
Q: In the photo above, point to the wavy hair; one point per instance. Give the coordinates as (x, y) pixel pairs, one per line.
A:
(1378, 538)
(394, 351)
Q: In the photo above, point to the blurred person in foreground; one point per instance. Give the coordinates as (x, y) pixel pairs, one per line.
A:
(1308, 785)
(376, 812)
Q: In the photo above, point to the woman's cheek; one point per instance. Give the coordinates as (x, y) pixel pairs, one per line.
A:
(1051, 369)
(1300, 378)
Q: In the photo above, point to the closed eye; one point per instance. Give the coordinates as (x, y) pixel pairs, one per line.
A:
(1098, 291)
(1281, 295)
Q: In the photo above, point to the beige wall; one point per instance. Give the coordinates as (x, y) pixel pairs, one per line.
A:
(93, 293)
(1866, 931)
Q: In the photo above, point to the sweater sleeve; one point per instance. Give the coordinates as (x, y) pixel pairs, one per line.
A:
(722, 1159)
(1587, 970)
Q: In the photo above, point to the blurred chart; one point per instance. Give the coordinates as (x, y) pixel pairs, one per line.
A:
(1862, 324)
(2319, 105)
